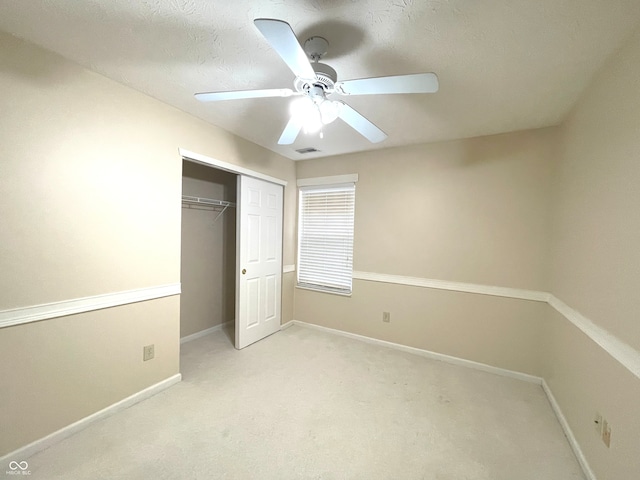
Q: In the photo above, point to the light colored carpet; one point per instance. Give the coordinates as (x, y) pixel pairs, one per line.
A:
(304, 404)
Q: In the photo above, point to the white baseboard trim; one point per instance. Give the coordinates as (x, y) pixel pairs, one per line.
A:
(284, 326)
(573, 442)
(55, 437)
(424, 353)
(46, 311)
(454, 286)
(204, 332)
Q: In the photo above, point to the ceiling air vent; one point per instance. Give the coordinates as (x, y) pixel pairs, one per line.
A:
(307, 150)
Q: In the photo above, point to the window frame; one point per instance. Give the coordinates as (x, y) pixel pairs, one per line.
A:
(320, 183)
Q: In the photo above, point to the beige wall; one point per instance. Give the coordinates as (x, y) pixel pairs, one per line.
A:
(585, 379)
(596, 263)
(58, 371)
(471, 210)
(497, 331)
(90, 181)
(597, 216)
(208, 259)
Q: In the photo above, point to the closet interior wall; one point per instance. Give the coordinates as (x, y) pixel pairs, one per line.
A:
(208, 252)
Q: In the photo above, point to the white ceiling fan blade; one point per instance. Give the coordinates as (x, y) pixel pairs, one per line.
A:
(282, 39)
(239, 94)
(291, 131)
(414, 83)
(361, 125)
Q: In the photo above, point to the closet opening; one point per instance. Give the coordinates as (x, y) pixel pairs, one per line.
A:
(231, 251)
(208, 251)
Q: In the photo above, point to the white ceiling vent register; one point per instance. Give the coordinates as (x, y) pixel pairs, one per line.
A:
(307, 150)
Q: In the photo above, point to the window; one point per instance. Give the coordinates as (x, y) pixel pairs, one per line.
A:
(325, 234)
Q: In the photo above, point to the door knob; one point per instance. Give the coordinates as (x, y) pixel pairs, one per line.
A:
(244, 270)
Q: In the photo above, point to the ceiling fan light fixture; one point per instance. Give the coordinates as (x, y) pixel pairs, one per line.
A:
(306, 110)
(311, 114)
(312, 123)
(329, 111)
(301, 106)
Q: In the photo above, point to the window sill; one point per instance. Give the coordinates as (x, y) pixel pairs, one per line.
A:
(320, 290)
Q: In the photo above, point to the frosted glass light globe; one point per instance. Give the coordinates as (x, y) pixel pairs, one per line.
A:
(329, 111)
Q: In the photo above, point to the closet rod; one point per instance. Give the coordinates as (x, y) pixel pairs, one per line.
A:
(206, 201)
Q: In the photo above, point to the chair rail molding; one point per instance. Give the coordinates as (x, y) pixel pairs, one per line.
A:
(46, 311)
(625, 354)
(454, 286)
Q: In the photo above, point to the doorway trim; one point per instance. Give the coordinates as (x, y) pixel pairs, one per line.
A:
(229, 167)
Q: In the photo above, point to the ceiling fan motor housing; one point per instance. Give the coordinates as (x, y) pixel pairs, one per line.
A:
(325, 75)
(326, 78)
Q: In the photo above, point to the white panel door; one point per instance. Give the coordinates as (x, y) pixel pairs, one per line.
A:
(259, 258)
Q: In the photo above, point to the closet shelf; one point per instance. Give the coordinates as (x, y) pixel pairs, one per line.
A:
(218, 205)
(208, 202)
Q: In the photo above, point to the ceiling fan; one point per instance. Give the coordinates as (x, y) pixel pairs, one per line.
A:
(316, 81)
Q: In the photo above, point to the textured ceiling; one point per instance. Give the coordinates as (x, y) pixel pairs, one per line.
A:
(503, 65)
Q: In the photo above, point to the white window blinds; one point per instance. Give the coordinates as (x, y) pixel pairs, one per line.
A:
(325, 237)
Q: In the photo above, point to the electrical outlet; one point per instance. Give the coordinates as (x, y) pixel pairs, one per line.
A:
(597, 422)
(386, 317)
(606, 433)
(147, 352)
